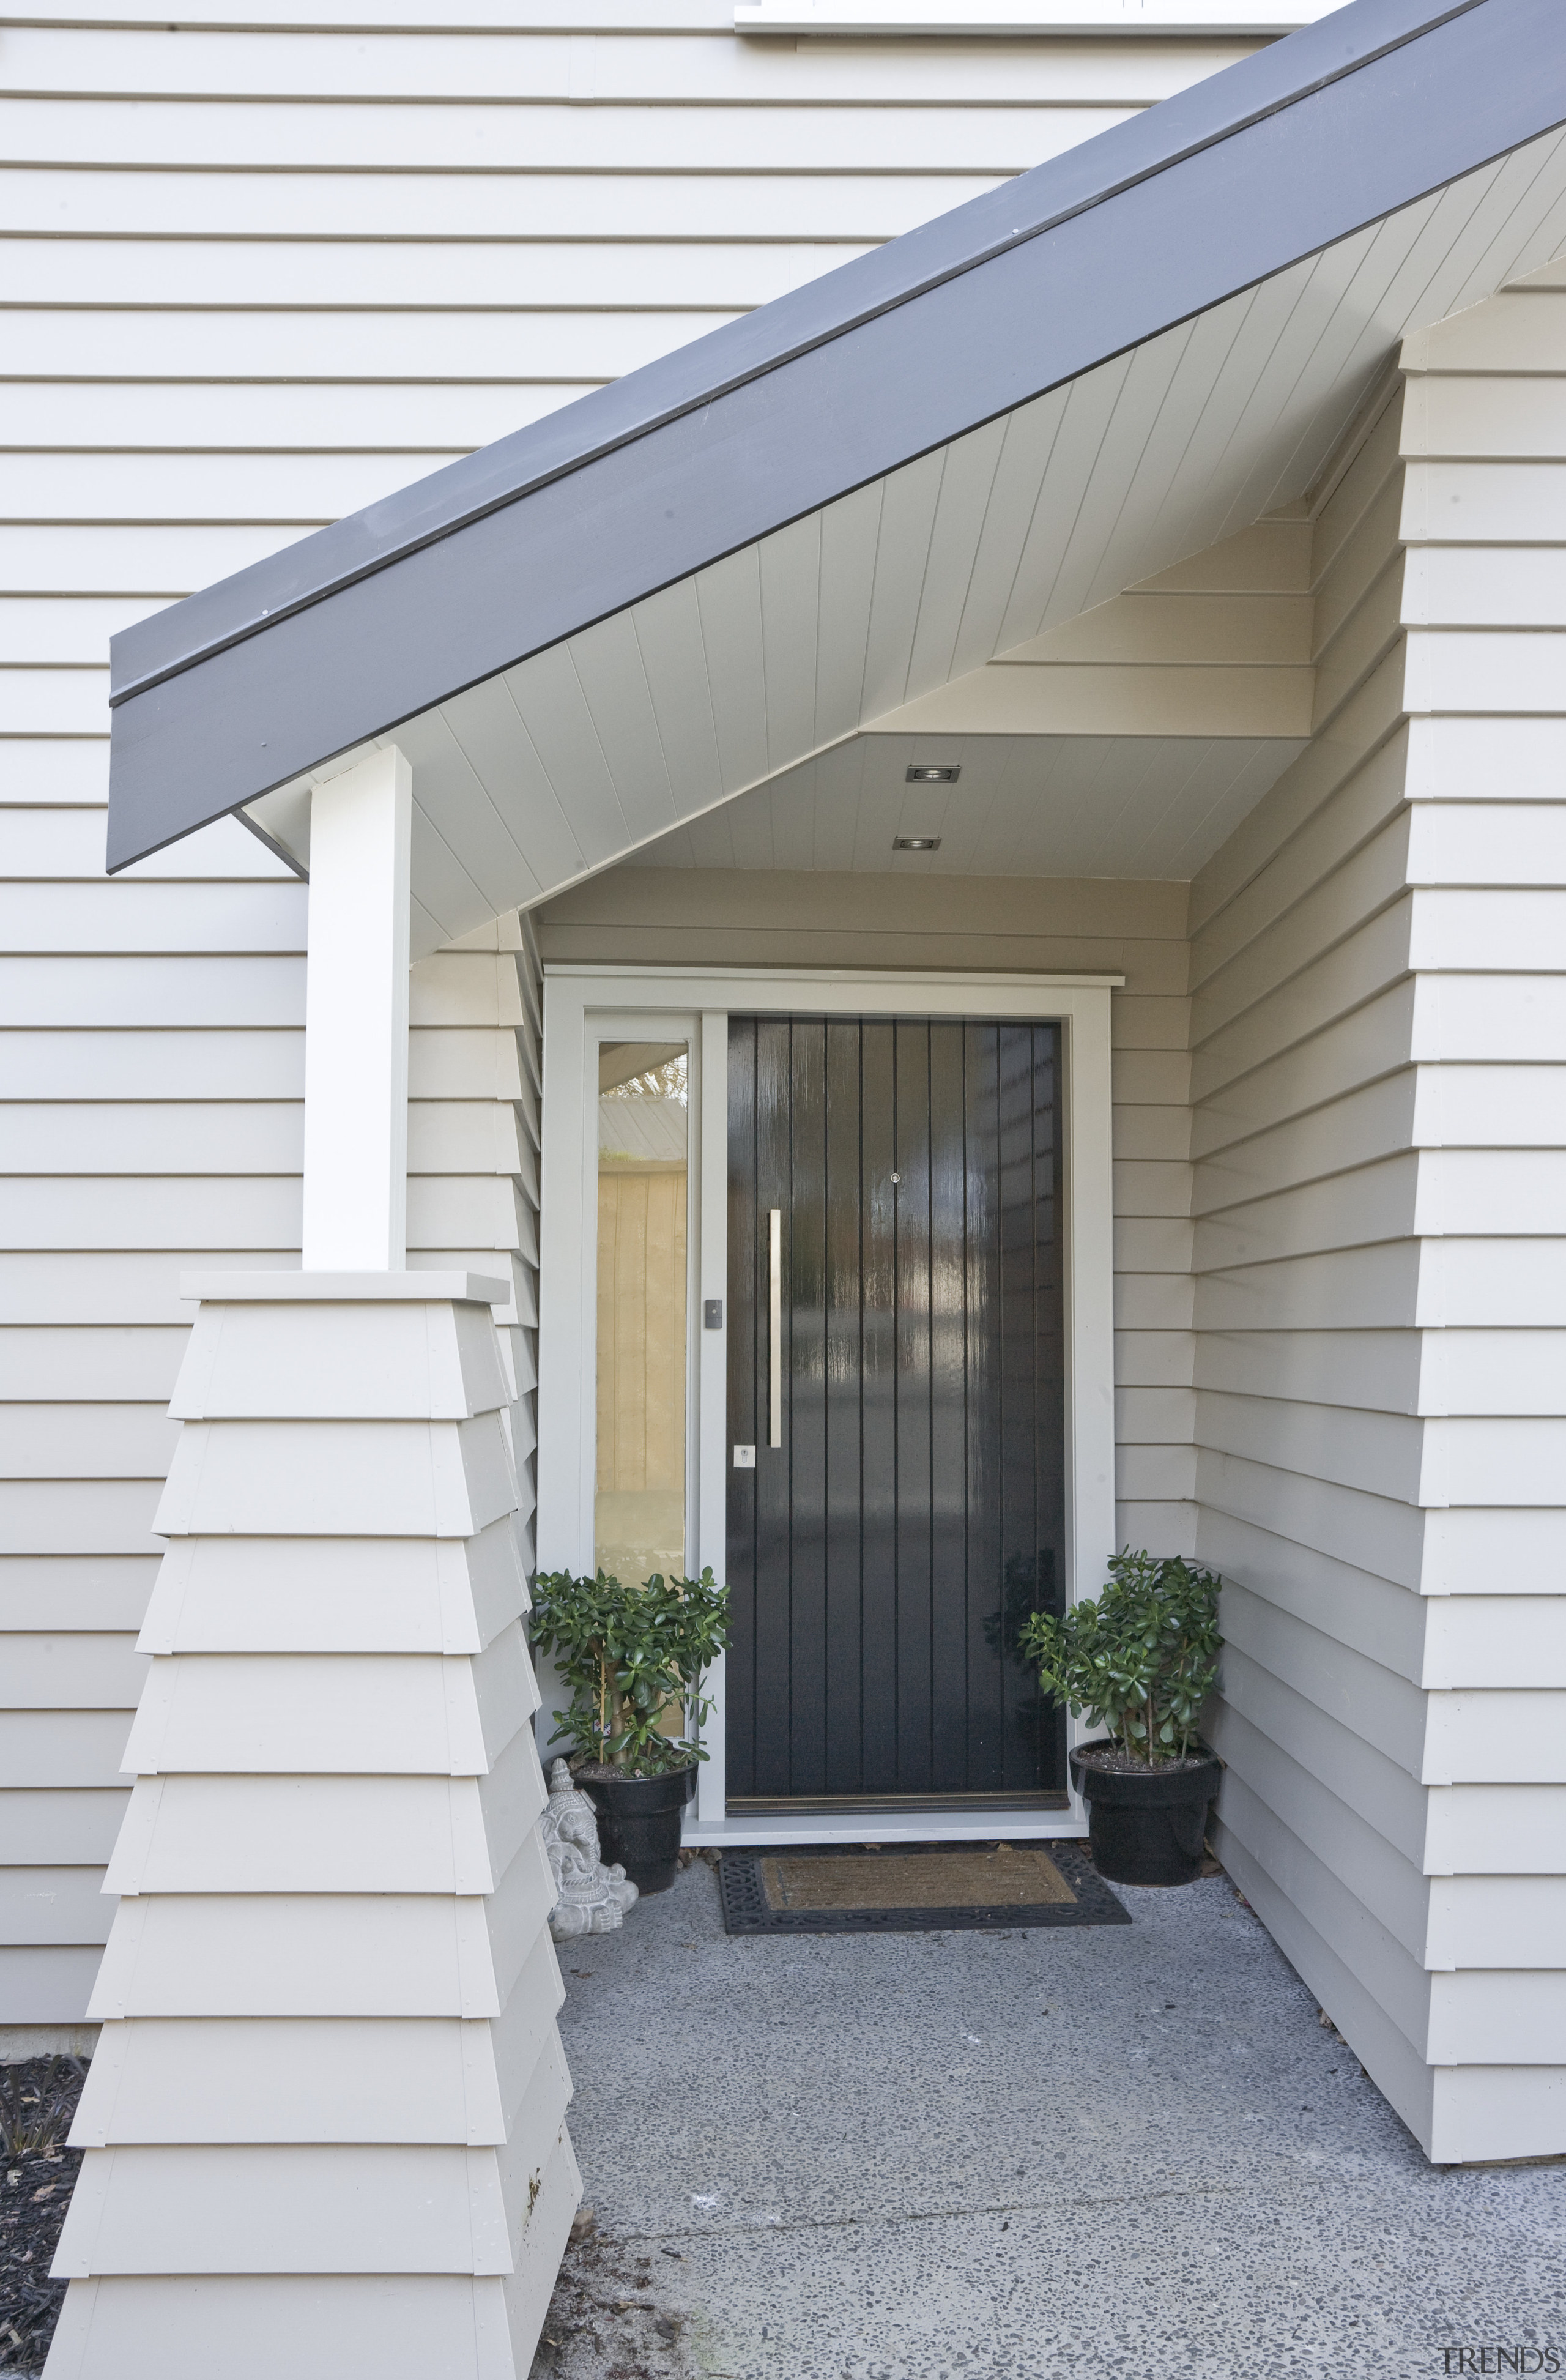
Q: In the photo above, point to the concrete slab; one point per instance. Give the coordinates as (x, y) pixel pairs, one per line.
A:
(1124, 2150)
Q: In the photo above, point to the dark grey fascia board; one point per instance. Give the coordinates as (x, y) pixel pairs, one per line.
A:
(366, 624)
(710, 367)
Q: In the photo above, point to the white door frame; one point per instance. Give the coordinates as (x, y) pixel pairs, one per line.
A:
(582, 1002)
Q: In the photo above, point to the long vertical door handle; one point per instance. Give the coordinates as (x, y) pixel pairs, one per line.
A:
(774, 1330)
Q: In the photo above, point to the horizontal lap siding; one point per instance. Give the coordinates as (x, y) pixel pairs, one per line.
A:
(1486, 525)
(1306, 1186)
(251, 280)
(1379, 1135)
(109, 1191)
(114, 1195)
(474, 1072)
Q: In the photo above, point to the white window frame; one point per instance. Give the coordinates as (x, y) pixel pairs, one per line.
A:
(1020, 20)
(583, 1003)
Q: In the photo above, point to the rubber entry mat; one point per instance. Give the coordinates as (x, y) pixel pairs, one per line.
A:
(914, 1889)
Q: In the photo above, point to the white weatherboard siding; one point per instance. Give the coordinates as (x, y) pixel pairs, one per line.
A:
(171, 1118)
(328, 2059)
(251, 278)
(1379, 1136)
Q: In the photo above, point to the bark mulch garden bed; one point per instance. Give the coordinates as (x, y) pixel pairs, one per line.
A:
(611, 2317)
(37, 2173)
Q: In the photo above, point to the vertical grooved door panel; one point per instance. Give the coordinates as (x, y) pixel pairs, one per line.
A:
(883, 1558)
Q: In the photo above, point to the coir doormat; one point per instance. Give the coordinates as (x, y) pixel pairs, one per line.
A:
(914, 1889)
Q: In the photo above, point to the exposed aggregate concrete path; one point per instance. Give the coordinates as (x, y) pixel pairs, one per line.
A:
(1117, 2151)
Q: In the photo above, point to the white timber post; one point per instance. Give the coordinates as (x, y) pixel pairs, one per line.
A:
(356, 1019)
(326, 2116)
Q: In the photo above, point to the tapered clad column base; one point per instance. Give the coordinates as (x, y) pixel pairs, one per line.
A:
(325, 2125)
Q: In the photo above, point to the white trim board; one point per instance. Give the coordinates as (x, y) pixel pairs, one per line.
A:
(842, 992)
(1160, 20)
(694, 1004)
(767, 1829)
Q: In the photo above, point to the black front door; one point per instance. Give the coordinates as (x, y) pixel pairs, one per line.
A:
(883, 1554)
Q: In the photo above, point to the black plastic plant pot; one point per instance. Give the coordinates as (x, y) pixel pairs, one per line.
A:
(1145, 1826)
(638, 1822)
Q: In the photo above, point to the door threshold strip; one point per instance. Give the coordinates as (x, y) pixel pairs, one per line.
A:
(754, 1829)
(889, 1805)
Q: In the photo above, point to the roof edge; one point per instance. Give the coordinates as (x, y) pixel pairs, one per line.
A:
(837, 303)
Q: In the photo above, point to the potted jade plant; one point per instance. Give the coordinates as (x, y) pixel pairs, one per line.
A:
(635, 1658)
(1140, 1661)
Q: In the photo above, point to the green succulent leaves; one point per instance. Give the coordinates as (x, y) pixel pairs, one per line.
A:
(1141, 1659)
(630, 1654)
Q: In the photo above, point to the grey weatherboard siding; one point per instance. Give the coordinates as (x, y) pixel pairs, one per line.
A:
(241, 688)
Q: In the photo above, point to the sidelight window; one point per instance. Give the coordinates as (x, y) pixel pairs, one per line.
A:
(643, 1183)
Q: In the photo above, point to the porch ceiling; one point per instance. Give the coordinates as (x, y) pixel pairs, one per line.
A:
(1131, 806)
(707, 579)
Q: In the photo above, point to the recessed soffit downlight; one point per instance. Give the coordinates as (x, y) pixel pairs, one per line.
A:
(916, 843)
(932, 776)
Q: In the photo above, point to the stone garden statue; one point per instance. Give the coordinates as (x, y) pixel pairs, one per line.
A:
(590, 1898)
